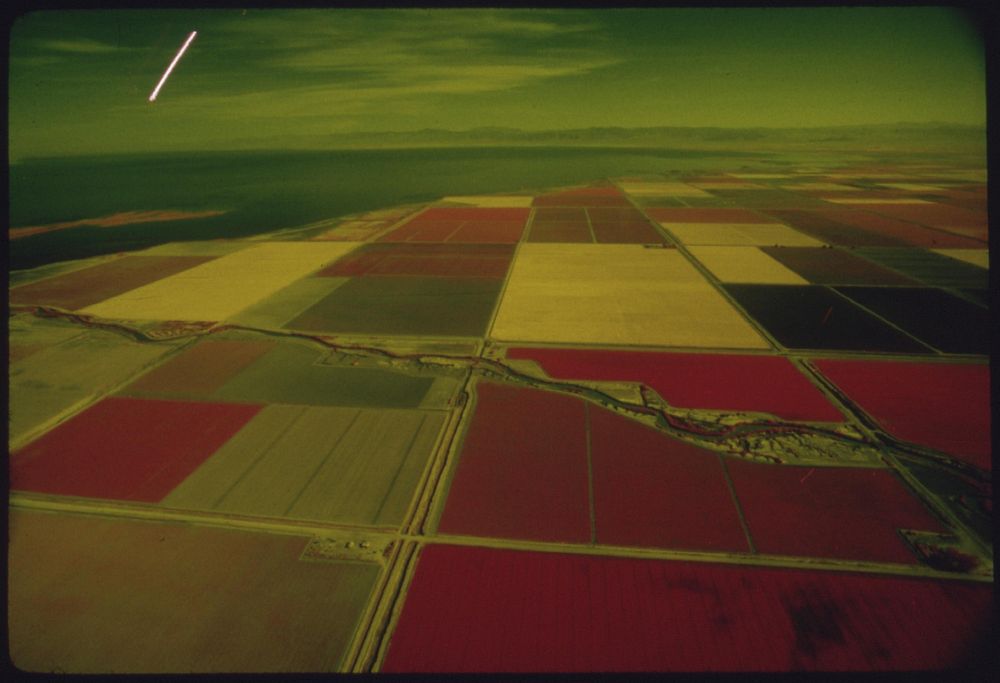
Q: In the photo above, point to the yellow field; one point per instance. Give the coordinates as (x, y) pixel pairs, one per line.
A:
(977, 257)
(616, 294)
(740, 234)
(321, 463)
(745, 265)
(221, 288)
(201, 248)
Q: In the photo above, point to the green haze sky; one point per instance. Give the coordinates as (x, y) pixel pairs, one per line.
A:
(79, 81)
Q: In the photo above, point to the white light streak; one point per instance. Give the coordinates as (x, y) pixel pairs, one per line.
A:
(170, 68)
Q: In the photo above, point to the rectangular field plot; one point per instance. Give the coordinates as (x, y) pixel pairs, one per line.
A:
(472, 213)
(127, 449)
(830, 227)
(57, 378)
(935, 317)
(601, 197)
(814, 317)
(146, 597)
(627, 232)
(489, 232)
(821, 266)
(24, 343)
(905, 232)
(424, 260)
(668, 189)
(81, 288)
(616, 294)
(929, 267)
(835, 512)
(424, 231)
(705, 215)
(739, 234)
(470, 232)
(200, 370)
(215, 247)
(225, 286)
(768, 384)
(553, 612)
(561, 232)
(293, 373)
(768, 199)
(946, 407)
(274, 311)
(407, 305)
(331, 464)
(522, 472)
(558, 215)
(977, 257)
(491, 201)
(352, 230)
(498, 225)
(659, 201)
(652, 490)
(745, 265)
(952, 218)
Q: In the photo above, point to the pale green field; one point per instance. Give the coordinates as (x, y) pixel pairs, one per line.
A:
(616, 294)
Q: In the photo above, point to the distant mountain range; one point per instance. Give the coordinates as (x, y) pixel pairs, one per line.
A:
(935, 136)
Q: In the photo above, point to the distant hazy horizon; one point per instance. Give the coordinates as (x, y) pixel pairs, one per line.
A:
(80, 80)
(938, 136)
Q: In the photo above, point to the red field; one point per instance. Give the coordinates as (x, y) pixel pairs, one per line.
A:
(616, 215)
(88, 286)
(441, 260)
(627, 232)
(200, 369)
(974, 200)
(563, 232)
(472, 213)
(836, 266)
(592, 197)
(496, 232)
(711, 381)
(910, 233)
(942, 406)
(558, 215)
(438, 231)
(522, 472)
(828, 226)
(972, 223)
(651, 490)
(478, 609)
(468, 231)
(834, 512)
(709, 215)
(127, 449)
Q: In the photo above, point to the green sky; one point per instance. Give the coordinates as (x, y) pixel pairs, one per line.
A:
(79, 81)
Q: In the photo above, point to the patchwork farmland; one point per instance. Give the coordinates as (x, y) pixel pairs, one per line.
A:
(676, 422)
